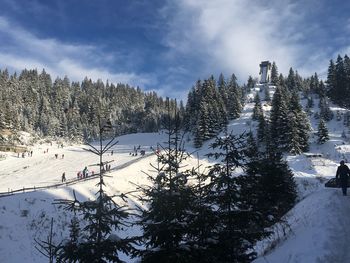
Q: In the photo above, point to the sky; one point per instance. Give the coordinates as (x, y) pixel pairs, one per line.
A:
(165, 45)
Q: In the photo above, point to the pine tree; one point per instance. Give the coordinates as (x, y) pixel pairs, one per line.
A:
(250, 84)
(252, 150)
(101, 215)
(298, 126)
(279, 119)
(322, 90)
(325, 111)
(275, 188)
(234, 106)
(315, 84)
(299, 83)
(165, 221)
(257, 110)
(263, 130)
(202, 129)
(234, 236)
(281, 81)
(201, 218)
(331, 81)
(322, 132)
(291, 84)
(274, 74)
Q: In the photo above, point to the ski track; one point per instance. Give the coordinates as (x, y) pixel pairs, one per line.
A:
(337, 246)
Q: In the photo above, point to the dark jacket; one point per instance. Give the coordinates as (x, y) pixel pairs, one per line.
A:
(343, 173)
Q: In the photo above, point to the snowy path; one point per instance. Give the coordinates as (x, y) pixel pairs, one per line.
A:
(320, 231)
(337, 246)
(76, 181)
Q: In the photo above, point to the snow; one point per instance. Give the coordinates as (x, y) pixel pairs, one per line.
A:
(315, 230)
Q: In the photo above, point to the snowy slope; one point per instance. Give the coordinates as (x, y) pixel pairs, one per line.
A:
(315, 231)
(25, 216)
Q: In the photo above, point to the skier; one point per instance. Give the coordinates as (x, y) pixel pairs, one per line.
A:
(342, 176)
(85, 172)
(63, 177)
(112, 152)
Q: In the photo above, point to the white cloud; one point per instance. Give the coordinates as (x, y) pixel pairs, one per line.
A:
(22, 49)
(236, 35)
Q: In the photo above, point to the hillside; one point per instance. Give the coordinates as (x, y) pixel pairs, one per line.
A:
(315, 231)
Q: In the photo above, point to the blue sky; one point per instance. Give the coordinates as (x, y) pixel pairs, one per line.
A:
(167, 45)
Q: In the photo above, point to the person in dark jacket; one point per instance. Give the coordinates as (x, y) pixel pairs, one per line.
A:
(342, 176)
(63, 177)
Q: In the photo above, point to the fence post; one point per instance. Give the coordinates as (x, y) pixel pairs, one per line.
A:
(23, 189)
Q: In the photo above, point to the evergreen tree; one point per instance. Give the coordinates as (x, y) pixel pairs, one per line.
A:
(331, 81)
(250, 84)
(263, 130)
(322, 90)
(299, 83)
(281, 81)
(252, 150)
(274, 74)
(202, 130)
(298, 126)
(279, 119)
(201, 218)
(322, 132)
(234, 227)
(275, 189)
(257, 110)
(165, 222)
(315, 84)
(234, 106)
(101, 215)
(291, 84)
(325, 111)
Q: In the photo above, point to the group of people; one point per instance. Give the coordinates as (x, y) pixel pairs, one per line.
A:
(84, 174)
(56, 156)
(107, 168)
(29, 154)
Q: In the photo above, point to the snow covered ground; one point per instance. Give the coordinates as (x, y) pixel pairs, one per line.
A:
(316, 229)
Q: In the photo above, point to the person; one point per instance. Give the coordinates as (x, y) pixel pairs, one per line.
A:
(62, 156)
(342, 176)
(84, 172)
(112, 152)
(63, 177)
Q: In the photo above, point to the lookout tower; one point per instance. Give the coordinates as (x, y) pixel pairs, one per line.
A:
(265, 72)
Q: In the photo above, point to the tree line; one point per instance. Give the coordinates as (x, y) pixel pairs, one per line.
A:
(34, 103)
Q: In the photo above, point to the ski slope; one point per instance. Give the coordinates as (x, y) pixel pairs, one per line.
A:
(316, 229)
(44, 169)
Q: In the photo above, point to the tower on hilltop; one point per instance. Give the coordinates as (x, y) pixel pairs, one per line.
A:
(265, 72)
